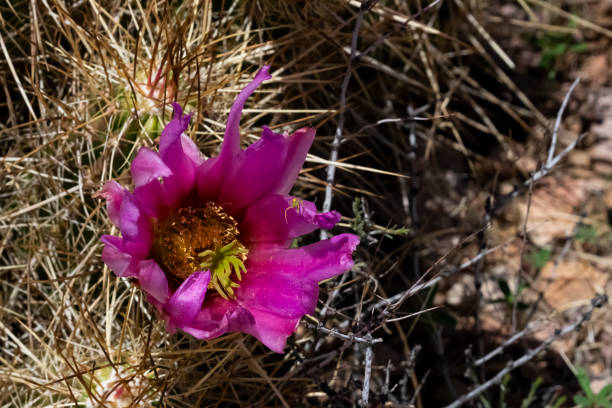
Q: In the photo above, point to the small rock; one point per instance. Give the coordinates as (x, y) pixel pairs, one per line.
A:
(510, 11)
(461, 290)
(602, 151)
(570, 284)
(580, 158)
(595, 69)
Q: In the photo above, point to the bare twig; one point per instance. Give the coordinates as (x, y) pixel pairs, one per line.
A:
(551, 160)
(596, 302)
(351, 337)
(333, 156)
(500, 349)
(519, 275)
(398, 298)
(553, 141)
(365, 393)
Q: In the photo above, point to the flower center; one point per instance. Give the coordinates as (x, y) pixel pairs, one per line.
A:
(202, 238)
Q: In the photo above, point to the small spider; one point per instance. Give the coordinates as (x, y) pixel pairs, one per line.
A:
(296, 204)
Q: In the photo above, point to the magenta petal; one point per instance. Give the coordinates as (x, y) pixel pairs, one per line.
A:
(276, 291)
(191, 150)
(135, 228)
(129, 215)
(217, 317)
(209, 176)
(231, 139)
(113, 255)
(284, 282)
(180, 153)
(272, 330)
(126, 214)
(319, 261)
(268, 166)
(152, 199)
(173, 130)
(298, 145)
(254, 172)
(114, 195)
(152, 279)
(147, 166)
(279, 219)
(186, 302)
(212, 173)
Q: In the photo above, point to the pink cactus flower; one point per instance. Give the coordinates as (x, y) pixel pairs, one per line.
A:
(209, 240)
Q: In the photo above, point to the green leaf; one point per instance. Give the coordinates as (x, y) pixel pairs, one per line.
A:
(532, 391)
(586, 233)
(582, 401)
(539, 257)
(580, 47)
(605, 392)
(559, 402)
(522, 286)
(603, 403)
(585, 382)
(503, 286)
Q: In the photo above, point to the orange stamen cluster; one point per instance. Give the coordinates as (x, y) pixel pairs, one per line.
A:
(193, 238)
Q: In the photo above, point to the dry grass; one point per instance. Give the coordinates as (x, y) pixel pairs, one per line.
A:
(434, 124)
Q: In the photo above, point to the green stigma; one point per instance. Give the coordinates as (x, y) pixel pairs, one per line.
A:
(222, 263)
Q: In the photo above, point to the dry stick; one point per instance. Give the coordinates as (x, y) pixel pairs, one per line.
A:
(553, 142)
(400, 297)
(486, 36)
(365, 393)
(333, 156)
(414, 227)
(414, 187)
(502, 346)
(551, 160)
(16, 77)
(331, 171)
(405, 21)
(519, 275)
(483, 244)
(385, 388)
(596, 302)
(349, 337)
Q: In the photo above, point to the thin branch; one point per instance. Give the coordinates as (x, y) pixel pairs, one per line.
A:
(365, 393)
(400, 297)
(553, 142)
(333, 156)
(501, 347)
(551, 160)
(351, 337)
(596, 302)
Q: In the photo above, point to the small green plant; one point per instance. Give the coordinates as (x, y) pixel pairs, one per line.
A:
(558, 403)
(510, 298)
(553, 46)
(366, 229)
(586, 233)
(589, 399)
(360, 223)
(504, 388)
(532, 393)
(538, 257)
